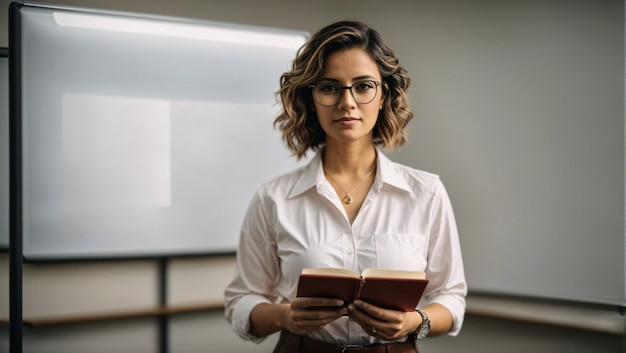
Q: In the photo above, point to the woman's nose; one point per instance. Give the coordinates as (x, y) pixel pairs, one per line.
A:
(346, 100)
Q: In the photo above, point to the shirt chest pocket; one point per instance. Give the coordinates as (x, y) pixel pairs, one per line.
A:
(401, 251)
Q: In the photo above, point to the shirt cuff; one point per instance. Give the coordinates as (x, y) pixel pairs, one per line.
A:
(456, 308)
(241, 317)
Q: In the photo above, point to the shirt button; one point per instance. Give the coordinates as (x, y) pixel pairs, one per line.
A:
(350, 252)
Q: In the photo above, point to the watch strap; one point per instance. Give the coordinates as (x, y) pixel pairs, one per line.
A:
(424, 328)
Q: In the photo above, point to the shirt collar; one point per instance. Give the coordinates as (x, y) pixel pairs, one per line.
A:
(389, 173)
(313, 175)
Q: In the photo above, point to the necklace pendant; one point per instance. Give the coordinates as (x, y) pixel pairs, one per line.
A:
(348, 199)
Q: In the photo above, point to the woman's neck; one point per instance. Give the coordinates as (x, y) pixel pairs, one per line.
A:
(349, 160)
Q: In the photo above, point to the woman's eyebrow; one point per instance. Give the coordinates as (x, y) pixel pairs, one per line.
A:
(358, 78)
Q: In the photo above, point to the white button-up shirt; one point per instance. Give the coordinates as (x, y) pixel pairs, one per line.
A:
(297, 221)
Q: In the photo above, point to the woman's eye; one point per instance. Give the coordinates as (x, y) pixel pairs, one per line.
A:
(327, 88)
(363, 86)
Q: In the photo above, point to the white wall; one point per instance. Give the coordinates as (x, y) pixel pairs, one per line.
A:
(75, 288)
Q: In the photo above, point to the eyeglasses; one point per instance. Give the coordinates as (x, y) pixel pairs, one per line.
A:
(329, 93)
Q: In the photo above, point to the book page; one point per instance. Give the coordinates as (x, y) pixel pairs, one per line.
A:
(382, 273)
(337, 272)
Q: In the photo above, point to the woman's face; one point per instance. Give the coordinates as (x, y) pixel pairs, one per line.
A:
(348, 120)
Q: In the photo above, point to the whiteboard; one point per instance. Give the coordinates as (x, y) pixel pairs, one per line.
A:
(144, 136)
(520, 110)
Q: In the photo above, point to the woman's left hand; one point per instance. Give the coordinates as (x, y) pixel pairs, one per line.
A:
(389, 325)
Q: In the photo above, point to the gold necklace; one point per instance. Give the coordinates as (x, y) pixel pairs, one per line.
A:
(348, 199)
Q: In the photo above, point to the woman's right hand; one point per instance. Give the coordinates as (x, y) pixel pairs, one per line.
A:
(310, 314)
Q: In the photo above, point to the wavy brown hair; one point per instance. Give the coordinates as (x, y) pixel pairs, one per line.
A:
(298, 122)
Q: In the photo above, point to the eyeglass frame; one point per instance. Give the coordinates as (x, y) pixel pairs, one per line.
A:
(349, 88)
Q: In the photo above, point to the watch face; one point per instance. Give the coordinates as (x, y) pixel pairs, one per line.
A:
(422, 332)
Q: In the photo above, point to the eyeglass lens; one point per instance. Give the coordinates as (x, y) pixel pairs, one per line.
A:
(329, 93)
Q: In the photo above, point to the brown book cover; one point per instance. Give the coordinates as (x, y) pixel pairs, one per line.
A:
(390, 289)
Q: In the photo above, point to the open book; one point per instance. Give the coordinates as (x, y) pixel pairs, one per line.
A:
(390, 289)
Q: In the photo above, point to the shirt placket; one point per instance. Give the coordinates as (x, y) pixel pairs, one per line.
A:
(351, 261)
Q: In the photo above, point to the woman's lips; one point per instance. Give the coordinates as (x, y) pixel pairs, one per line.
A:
(347, 121)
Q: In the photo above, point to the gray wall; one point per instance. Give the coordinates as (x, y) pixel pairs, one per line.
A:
(520, 109)
(452, 49)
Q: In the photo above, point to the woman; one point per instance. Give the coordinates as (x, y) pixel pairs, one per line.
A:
(350, 207)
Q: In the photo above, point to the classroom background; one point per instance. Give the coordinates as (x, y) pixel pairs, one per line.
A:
(519, 106)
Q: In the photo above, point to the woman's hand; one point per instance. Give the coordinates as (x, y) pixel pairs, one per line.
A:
(389, 325)
(310, 314)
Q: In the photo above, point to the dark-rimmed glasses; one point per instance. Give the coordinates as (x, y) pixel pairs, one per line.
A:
(329, 93)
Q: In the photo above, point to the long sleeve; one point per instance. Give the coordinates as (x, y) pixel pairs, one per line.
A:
(256, 272)
(445, 264)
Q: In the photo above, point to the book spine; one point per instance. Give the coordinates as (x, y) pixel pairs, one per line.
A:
(359, 289)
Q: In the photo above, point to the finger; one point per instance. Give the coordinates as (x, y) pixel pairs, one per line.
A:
(370, 309)
(314, 302)
(316, 316)
(374, 331)
(304, 326)
(371, 325)
(378, 313)
(363, 319)
(361, 315)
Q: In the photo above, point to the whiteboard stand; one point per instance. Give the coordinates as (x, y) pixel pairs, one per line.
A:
(15, 192)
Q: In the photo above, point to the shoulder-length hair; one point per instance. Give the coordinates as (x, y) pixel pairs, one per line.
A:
(298, 122)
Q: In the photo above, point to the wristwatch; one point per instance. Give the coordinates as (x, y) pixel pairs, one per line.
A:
(424, 328)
